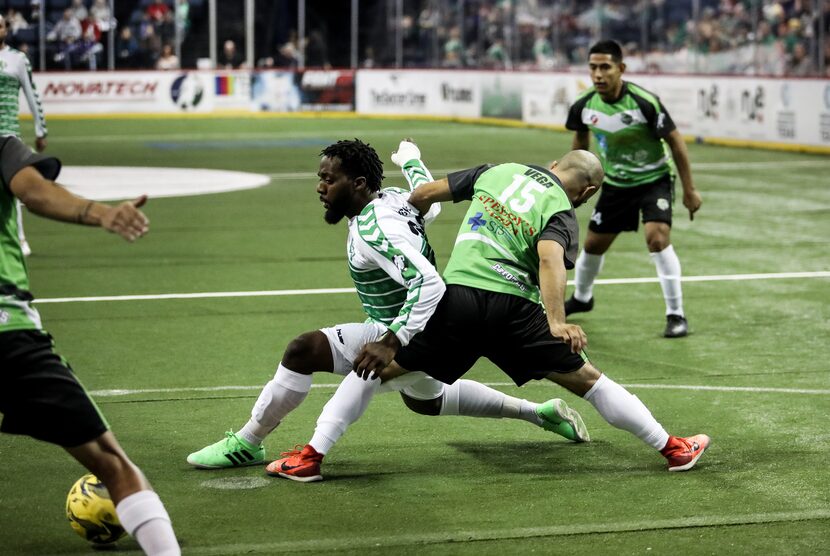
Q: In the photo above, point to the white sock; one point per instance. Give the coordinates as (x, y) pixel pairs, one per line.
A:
(143, 516)
(346, 406)
(587, 268)
(625, 411)
(668, 271)
(473, 399)
(281, 395)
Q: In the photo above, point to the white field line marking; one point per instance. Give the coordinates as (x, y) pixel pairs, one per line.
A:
(322, 291)
(445, 537)
(754, 389)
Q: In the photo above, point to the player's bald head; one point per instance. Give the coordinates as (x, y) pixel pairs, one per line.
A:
(584, 166)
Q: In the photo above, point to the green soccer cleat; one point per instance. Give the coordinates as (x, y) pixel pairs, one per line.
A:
(559, 418)
(231, 451)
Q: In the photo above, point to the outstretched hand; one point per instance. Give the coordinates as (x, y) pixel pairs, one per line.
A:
(571, 334)
(126, 220)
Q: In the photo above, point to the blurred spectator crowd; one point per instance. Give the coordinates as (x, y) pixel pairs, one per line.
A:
(768, 37)
(77, 32)
(790, 37)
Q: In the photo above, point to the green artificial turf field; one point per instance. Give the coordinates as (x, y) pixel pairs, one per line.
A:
(173, 374)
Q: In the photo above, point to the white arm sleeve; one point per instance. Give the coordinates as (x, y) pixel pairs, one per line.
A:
(32, 98)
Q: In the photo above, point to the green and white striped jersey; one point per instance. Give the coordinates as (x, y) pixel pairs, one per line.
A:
(16, 74)
(393, 265)
(16, 311)
(629, 132)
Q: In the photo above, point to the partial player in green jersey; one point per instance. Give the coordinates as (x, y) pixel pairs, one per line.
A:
(16, 75)
(514, 246)
(636, 141)
(40, 396)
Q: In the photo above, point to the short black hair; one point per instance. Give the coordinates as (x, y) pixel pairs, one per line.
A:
(608, 47)
(357, 159)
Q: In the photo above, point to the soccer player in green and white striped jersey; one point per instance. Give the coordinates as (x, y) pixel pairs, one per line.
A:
(16, 74)
(636, 140)
(392, 266)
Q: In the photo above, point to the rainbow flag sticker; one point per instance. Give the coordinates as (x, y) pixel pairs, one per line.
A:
(225, 85)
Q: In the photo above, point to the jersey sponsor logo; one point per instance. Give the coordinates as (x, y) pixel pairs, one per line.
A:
(612, 123)
(596, 217)
(404, 211)
(502, 215)
(340, 336)
(662, 204)
(509, 276)
(477, 221)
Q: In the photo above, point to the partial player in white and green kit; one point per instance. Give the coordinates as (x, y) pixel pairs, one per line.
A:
(16, 74)
(392, 266)
(636, 142)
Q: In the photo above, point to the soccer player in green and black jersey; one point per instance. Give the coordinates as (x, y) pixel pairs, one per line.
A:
(40, 396)
(516, 241)
(636, 139)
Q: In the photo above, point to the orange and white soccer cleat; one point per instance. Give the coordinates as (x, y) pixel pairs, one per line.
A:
(301, 465)
(682, 453)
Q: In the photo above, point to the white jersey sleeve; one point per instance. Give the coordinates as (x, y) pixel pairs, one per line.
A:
(32, 97)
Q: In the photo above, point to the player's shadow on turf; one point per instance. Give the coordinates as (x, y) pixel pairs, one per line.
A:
(538, 457)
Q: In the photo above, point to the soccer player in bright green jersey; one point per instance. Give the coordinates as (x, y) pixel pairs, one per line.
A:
(40, 396)
(515, 244)
(392, 266)
(636, 140)
(16, 74)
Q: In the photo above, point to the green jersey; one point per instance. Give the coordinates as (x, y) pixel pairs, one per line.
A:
(513, 207)
(16, 311)
(629, 132)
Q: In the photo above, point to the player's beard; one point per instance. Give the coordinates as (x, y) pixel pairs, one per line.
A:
(335, 212)
(333, 216)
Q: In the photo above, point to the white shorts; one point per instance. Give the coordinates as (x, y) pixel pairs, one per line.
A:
(346, 341)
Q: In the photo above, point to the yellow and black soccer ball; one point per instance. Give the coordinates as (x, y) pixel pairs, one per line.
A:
(91, 513)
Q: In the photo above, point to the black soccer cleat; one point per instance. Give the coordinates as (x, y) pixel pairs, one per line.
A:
(676, 327)
(573, 305)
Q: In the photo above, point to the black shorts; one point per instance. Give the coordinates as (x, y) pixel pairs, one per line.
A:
(510, 331)
(39, 394)
(618, 208)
